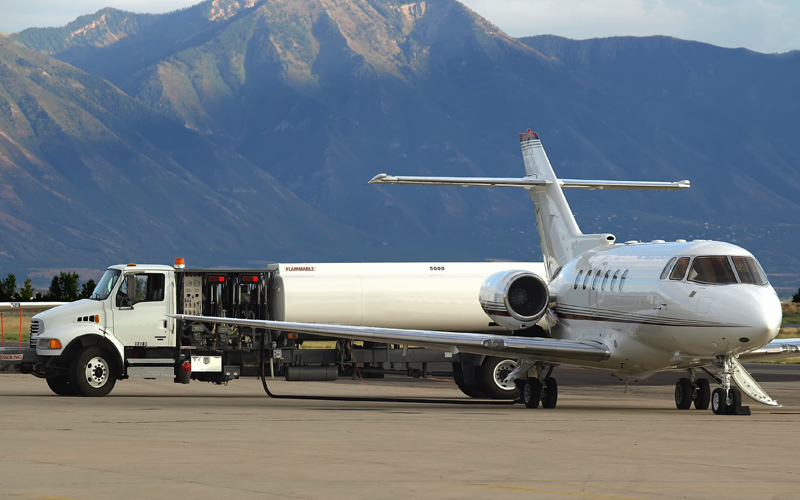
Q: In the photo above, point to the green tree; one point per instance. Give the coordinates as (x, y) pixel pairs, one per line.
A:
(87, 289)
(8, 287)
(796, 297)
(26, 291)
(64, 287)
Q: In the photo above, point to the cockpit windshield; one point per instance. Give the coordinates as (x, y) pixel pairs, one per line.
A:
(715, 270)
(749, 271)
(106, 284)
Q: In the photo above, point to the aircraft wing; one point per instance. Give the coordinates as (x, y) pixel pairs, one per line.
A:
(553, 350)
(777, 349)
(527, 182)
(37, 306)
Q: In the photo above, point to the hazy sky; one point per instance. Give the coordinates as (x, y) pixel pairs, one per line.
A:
(761, 25)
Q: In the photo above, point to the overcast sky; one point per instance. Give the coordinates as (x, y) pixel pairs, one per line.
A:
(761, 25)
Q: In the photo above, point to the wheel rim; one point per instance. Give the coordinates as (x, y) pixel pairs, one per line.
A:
(678, 394)
(526, 392)
(501, 371)
(97, 372)
(715, 400)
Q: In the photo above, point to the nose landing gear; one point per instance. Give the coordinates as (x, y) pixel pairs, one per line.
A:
(727, 400)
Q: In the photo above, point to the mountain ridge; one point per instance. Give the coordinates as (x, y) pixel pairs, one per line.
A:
(321, 95)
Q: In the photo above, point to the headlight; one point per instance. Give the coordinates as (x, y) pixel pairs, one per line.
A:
(44, 344)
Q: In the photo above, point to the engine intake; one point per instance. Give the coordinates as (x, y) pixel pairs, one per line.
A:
(514, 299)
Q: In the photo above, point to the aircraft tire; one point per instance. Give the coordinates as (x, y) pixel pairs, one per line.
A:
(59, 384)
(719, 402)
(489, 375)
(550, 398)
(683, 393)
(531, 392)
(93, 372)
(734, 400)
(703, 396)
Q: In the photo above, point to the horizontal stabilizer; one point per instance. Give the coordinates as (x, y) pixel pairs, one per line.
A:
(527, 182)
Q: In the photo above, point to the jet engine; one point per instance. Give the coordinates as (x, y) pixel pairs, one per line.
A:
(514, 299)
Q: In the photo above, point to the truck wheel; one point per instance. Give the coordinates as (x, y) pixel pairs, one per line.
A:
(491, 375)
(93, 372)
(59, 384)
(469, 390)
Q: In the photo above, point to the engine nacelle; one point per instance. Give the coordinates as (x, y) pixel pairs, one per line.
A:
(515, 299)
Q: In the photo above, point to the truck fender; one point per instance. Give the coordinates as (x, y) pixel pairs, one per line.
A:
(107, 342)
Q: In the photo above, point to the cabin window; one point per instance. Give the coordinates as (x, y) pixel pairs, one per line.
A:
(622, 280)
(614, 279)
(749, 271)
(595, 280)
(578, 279)
(712, 271)
(605, 279)
(679, 271)
(586, 279)
(665, 272)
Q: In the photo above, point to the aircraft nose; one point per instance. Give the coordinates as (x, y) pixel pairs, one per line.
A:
(764, 314)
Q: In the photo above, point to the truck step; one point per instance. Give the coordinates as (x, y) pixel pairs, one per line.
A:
(151, 372)
(151, 361)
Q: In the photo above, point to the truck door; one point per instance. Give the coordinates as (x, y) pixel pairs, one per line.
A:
(140, 307)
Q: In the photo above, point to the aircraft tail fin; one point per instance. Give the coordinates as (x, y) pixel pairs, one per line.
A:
(561, 238)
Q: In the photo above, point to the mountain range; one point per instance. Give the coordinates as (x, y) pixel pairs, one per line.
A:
(242, 132)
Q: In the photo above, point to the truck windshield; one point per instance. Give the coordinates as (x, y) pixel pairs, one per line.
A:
(106, 284)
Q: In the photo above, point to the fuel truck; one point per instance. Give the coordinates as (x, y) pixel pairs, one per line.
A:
(123, 331)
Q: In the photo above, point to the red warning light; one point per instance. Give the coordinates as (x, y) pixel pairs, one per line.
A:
(216, 279)
(249, 279)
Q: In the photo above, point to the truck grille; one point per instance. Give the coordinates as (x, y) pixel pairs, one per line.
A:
(36, 328)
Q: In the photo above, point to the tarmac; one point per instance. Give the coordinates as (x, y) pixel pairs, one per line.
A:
(159, 440)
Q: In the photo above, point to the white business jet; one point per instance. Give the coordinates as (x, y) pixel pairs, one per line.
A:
(632, 309)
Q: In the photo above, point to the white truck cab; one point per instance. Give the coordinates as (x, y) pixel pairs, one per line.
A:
(129, 308)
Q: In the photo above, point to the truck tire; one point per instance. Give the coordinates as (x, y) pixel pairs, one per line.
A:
(490, 375)
(93, 372)
(469, 390)
(59, 384)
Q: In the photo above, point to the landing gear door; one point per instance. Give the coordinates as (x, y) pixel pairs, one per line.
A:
(140, 307)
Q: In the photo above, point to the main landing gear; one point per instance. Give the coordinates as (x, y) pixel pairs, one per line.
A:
(692, 390)
(540, 388)
(725, 400)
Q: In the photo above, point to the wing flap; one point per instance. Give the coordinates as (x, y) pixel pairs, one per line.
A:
(563, 351)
